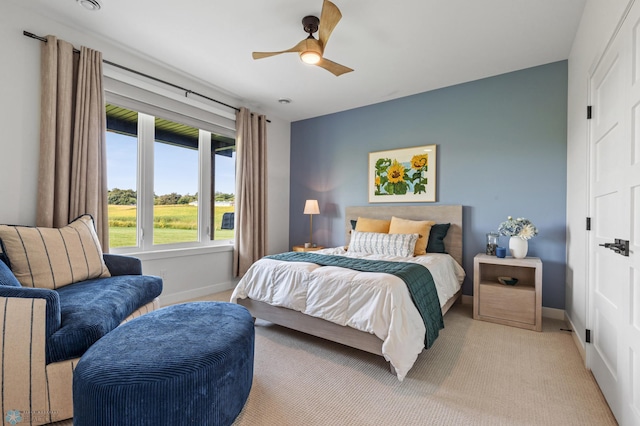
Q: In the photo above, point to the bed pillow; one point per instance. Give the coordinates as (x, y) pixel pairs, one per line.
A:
(54, 257)
(436, 238)
(386, 244)
(365, 224)
(421, 227)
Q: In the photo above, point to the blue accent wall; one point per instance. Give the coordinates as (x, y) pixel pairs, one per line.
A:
(501, 151)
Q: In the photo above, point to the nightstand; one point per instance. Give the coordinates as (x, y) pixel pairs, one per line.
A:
(519, 305)
(302, 248)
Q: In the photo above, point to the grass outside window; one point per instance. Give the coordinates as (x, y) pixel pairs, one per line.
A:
(172, 224)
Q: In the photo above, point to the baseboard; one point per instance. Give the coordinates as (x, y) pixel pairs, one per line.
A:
(553, 313)
(576, 340)
(183, 296)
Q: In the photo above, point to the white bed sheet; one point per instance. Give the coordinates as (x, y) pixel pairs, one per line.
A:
(376, 303)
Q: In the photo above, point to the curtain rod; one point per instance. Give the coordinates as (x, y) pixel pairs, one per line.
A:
(187, 91)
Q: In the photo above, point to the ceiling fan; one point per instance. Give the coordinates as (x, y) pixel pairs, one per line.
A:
(311, 49)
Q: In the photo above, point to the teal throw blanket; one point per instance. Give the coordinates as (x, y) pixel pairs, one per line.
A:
(417, 278)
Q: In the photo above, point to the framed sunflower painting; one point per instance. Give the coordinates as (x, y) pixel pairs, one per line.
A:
(403, 175)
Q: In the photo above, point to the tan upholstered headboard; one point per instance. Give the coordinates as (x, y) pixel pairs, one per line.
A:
(439, 214)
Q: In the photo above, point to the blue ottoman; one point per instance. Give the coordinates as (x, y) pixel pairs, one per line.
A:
(179, 365)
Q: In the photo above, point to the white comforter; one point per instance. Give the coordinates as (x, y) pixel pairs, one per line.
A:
(372, 302)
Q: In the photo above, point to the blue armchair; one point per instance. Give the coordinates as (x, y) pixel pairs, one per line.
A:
(45, 332)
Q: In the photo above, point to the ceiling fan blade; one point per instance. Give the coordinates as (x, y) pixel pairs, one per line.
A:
(329, 18)
(332, 67)
(297, 48)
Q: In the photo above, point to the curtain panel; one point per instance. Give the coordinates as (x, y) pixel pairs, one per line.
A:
(72, 167)
(251, 190)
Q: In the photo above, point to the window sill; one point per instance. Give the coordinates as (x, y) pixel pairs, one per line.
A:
(176, 252)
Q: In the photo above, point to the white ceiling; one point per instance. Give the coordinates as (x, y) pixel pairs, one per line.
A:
(396, 48)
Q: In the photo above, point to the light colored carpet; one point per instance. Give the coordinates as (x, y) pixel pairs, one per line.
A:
(476, 373)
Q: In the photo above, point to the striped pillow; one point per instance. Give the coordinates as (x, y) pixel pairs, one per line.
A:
(379, 243)
(54, 257)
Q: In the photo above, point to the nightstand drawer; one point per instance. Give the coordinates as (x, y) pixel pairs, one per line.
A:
(511, 303)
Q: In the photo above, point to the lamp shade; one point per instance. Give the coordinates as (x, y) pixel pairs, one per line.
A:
(311, 207)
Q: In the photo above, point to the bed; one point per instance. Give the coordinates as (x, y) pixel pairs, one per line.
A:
(399, 335)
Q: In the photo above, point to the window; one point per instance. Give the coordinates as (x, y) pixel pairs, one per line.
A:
(175, 182)
(171, 183)
(122, 163)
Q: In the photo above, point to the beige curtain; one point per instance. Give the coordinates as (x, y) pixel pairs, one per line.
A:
(72, 169)
(251, 190)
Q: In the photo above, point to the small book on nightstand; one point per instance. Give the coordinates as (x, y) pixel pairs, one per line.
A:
(303, 248)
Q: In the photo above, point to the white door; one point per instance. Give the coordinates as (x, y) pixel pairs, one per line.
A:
(614, 278)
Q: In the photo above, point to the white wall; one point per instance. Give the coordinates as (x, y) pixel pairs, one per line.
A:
(596, 28)
(187, 273)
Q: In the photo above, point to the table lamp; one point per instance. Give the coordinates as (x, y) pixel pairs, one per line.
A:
(311, 208)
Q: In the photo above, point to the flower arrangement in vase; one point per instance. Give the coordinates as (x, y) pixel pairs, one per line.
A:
(520, 231)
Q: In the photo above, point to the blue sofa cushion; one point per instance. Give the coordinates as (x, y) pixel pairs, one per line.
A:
(91, 309)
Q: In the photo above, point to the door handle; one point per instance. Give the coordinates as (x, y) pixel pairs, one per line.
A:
(619, 246)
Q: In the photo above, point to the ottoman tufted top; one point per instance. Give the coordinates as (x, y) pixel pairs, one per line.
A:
(184, 362)
(168, 340)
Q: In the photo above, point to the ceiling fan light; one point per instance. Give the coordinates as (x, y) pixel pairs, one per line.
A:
(310, 57)
(92, 5)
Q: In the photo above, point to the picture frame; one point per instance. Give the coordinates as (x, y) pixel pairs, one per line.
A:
(403, 175)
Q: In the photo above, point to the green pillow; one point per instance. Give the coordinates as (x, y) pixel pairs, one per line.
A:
(436, 238)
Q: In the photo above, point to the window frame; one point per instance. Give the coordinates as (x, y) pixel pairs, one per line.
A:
(120, 92)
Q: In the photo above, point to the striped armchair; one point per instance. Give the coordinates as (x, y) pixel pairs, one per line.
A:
(45, 331)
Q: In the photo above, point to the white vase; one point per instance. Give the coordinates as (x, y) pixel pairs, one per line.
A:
(518, 247)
